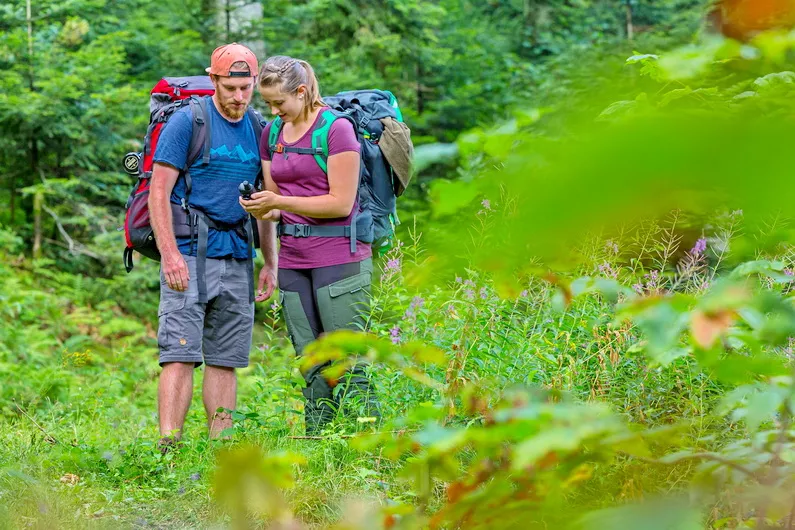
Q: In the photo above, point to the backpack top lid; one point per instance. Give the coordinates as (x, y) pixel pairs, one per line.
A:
(171, 89)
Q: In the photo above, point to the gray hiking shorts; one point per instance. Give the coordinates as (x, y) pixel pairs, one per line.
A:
(218, 332)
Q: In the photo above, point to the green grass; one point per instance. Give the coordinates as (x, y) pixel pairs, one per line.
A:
(78, 421)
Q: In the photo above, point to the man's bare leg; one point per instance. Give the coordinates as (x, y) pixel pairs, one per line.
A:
(220, 390)
(174, 393)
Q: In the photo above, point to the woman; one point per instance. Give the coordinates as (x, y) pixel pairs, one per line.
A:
(324, 276)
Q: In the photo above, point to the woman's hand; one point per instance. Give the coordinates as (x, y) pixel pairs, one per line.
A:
(262, 204)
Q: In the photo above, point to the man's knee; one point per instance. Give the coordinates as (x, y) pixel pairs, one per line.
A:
(175, 367)
(222, 370)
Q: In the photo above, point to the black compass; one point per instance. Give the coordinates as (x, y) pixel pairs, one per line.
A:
(132, 163)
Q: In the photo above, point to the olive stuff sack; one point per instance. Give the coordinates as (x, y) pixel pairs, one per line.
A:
(168, 96)
(371, 112)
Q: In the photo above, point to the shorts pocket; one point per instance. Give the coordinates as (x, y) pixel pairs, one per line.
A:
(170, 327)
(346, 303)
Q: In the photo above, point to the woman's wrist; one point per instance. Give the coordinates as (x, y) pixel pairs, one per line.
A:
(282, 203)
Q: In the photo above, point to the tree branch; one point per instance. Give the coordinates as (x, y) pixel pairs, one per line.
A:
(74, 248)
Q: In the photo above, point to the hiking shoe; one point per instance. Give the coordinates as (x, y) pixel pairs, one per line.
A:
(167, 444)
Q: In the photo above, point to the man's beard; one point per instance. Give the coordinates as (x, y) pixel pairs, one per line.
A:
(232, 112)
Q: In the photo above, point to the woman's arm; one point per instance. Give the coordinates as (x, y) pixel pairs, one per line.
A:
(343, 179)
(263, 214)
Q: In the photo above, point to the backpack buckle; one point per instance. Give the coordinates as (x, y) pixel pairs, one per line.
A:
(301, 230)
(279, 148)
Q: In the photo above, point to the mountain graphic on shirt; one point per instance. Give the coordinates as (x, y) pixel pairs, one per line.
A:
(238, 153)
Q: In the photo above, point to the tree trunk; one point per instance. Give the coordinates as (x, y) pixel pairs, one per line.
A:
(30, 44)
(420, 102)
(235, 19)
(13, 192)
(38, 198)
(630, 27)
(38, 201)
(209, 15)
(228, 14)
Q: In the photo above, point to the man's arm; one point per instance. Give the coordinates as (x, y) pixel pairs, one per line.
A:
(267, 275)
(174, 267)
(267, 242)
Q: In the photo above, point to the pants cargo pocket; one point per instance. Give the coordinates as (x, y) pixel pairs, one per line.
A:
(171, 328)
(345, 304)
(297, 323)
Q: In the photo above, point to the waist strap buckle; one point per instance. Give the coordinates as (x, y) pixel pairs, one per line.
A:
(300, 230)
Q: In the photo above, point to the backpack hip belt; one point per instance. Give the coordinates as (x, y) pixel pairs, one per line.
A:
(202, 224)
(304, 230)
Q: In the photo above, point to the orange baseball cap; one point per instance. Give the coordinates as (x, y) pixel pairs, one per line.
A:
(225, 56)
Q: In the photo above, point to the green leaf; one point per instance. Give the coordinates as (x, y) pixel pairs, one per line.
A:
(529, 451)
(228, 432)
(427, 154)
(642, 58)
(448, 197)
(770, 269)
(673, 95)
(440, 439)
(673, 458)
(662, 324)
(762, 406)
(738, 369)
(666, 514)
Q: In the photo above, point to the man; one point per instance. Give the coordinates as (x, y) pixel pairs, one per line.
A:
(208, 317)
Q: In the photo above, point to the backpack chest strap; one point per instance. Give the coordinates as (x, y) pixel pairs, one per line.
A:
(280, 148)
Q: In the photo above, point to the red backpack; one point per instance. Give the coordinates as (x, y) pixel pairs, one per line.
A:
(168, 96)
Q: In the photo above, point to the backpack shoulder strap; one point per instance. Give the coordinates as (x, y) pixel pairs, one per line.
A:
(204, 105)
(273, 135)
(198, 139)
(320, 138)
(199, 133)
(258, 123)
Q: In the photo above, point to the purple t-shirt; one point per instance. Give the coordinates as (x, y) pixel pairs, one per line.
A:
(299, 175)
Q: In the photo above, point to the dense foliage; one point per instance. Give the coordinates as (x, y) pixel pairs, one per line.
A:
(588, 325)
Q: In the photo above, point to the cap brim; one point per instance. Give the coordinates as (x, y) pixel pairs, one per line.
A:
(208, 69)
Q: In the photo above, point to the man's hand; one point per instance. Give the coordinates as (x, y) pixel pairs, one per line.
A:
(273, 216)
(261, 204)
(267, 283)
(175, 269)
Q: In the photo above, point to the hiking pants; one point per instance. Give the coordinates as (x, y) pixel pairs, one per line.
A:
(321, 300)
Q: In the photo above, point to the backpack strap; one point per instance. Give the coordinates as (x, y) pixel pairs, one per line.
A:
(203, 224)
(257, 121)
(199, 139)
(273, 135)
(304, 230)
(320, 143)
(208, 137)
(198, 222)
(320, 139)
(320, 151)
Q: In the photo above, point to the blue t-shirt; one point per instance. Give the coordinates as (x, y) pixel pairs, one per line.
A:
(233, 158)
